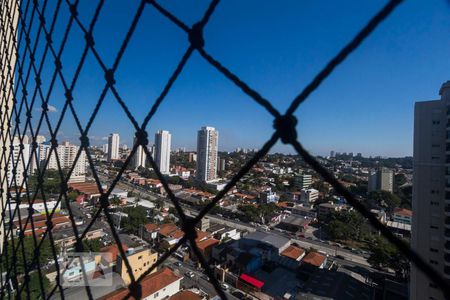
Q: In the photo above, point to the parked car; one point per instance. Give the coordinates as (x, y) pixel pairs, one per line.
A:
(190, 274)
(224, 286)
(238, 294)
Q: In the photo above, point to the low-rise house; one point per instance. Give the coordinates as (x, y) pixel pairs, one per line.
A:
(295, 224)
(65, 239)
(201, 195)
(185, 295)
(157, 286)
(73, 270)
(110, 260)
(268, 245)
(39, 222)
(244, 197)
(140, 261)
(268, 196)
(402, 215)
(304, 211)
(90, 189)
(293, 252)
(205, 246)
(153, 183)
(315, 260)
(224, 232)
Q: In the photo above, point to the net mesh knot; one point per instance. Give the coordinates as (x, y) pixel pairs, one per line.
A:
(142, 137)
(196, 36)
(104, 201)
(135, 289)
(286, 128)
(109, 77)
(188, 228)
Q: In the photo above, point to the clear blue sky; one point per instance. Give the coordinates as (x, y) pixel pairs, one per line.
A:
(276, 47)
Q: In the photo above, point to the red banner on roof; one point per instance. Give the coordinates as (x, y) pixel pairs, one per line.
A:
(251, 280)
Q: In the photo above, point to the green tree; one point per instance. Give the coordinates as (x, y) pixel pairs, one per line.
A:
(386, 255)
(45, 253)
(93, 245)
(159, 203)
(384, 199)
(175, 180)
(345, 225)
(115, 201)
(51, 182)
(136, 218)
(35, 286)
(258, 214)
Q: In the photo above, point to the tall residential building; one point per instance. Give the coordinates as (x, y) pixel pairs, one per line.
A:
(162, 150)
(302, 181)
(207, 147)
(113, 146)
(139, 158)
(67, 154)
(35, 157)
(430, 235)
(381, 180)
(221, 164)
(105, 148)
(18, 161)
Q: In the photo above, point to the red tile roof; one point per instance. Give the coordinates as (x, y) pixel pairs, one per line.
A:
(167, 229)
(293, 252)
(151, 227)
(114, 250)
(207, 243)
(185, 295)
(149, 285)
(314, 258)
(403, 212)
(85, 187)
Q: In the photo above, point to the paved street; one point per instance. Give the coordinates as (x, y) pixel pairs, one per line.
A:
(200, 280)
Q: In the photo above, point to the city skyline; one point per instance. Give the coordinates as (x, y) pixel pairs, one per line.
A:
(348, 113)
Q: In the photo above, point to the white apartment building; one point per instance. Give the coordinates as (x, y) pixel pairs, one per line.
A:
(113, 146)
(207, 148)
(309, 195)
(162, 150)
(19, 160)
(105, 148)
(381, 180)
(66, 155)
(303, 181)
(139, 157)
(36, 156)
(430, 236)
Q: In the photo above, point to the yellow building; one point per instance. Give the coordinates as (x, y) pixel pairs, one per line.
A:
(140, 261)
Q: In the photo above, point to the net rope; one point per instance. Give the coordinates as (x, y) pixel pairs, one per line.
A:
(25, 29)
